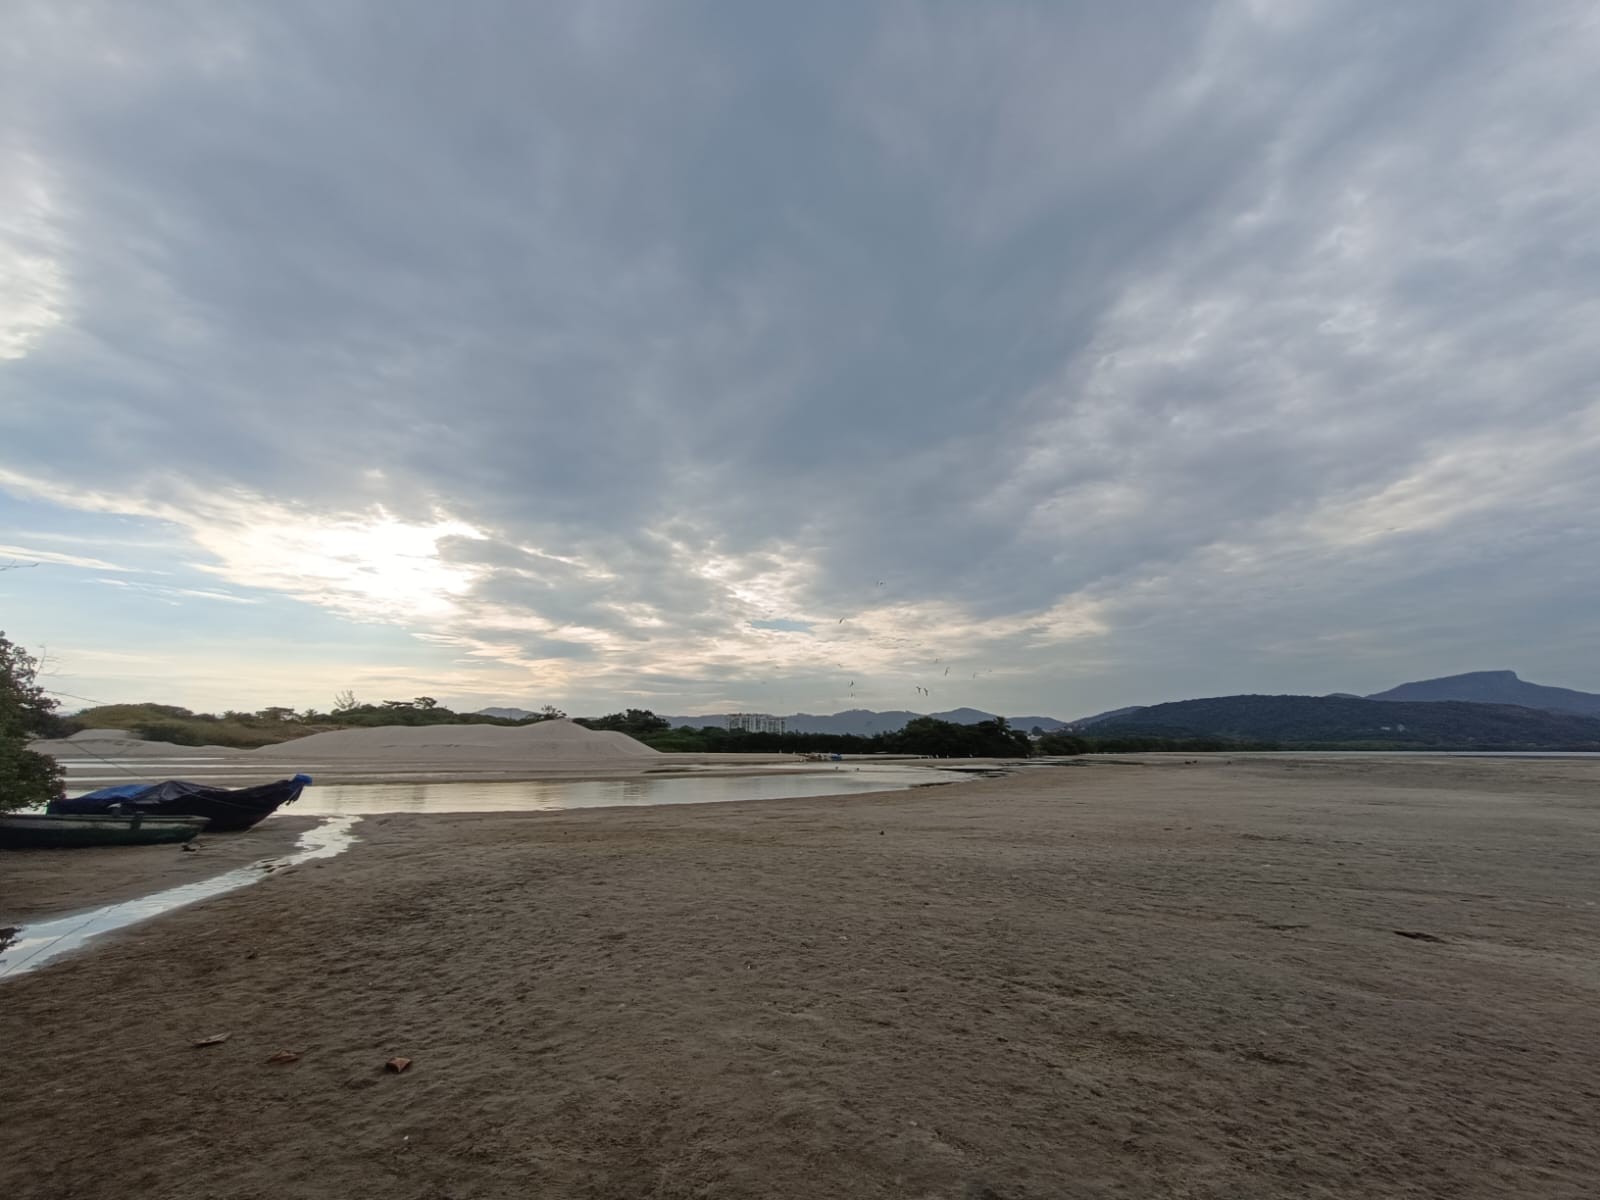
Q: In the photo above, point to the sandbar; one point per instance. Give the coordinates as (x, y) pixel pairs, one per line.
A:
(1253, 978)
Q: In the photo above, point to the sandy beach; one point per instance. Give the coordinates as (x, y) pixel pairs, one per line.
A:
(1260, 978)
(45, 883)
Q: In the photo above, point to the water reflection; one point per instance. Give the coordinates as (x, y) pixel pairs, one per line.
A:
(33, 945)
(550, 795)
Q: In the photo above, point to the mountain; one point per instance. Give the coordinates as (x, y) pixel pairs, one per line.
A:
(861, 721)
(1495, 687)
(505, 714)
(1109, 715)
(865, 722)
(1044, 724)
(1336, 721)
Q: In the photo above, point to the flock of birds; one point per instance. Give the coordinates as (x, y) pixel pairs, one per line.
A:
(920, 690)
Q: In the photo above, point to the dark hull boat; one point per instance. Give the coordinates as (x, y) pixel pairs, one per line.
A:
(38, 831)
(228, 809)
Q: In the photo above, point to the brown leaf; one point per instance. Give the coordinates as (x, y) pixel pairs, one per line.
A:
(397, 1065)
(216, 1039)
(285, 1056)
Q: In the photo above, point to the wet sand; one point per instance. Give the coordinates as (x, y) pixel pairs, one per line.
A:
(48, 883)
(1148, 980)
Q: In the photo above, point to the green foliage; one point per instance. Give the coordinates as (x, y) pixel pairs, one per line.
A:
(986, 739)
(179, 733)
(398, 712)
(636, 722)
(925, 735)
(270, 725)
(27, 778)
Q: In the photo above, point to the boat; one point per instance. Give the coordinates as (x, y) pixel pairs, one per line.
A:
(228, 809)
(41, 831)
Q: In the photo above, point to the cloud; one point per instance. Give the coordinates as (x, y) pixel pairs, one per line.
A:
(1108, 352)
(26, 555)
(173, 594)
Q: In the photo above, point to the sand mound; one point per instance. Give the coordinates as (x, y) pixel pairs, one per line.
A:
(119, 743)
(548, 741)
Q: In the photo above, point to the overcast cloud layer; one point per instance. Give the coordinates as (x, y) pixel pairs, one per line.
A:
(728, 355)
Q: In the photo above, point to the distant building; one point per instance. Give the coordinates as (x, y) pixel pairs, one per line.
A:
(755, 723)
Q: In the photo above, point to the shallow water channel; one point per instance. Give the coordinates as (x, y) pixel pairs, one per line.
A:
(550, 795)
(34, 945)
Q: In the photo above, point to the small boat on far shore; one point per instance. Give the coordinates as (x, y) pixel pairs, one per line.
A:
(228, 809)
(41, 831)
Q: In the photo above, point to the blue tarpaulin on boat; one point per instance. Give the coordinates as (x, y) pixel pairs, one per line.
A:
(127, 791)
(133, 793)
(225, 808)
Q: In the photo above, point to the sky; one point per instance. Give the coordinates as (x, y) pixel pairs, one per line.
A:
(750, 355)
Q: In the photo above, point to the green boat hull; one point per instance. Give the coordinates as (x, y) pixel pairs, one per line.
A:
(30, 831)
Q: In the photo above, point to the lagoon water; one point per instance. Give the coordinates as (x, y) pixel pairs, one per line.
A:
(550, 795)
(779, 782)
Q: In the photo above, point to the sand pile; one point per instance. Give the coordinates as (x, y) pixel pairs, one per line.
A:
(117, 743)
(548, 741)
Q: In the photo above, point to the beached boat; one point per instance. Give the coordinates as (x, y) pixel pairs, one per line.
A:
(228, 809)
(40, 831)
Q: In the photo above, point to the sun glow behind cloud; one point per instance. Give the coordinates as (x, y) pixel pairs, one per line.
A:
(370, 565)
(428, 577)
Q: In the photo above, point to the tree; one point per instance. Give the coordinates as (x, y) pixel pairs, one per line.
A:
(636, 722)
(550, 713)
(27, 777)
(345, 701)
(425, 702)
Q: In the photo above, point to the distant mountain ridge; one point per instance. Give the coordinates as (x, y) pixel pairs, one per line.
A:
(1494, 687)
(863, 722)
(1111, 715)
(1353, 722)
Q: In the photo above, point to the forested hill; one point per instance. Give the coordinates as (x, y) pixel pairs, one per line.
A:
(1496, 687)
(1349, 722)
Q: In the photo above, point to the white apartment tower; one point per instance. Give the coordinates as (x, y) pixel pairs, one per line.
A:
(755, 723)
